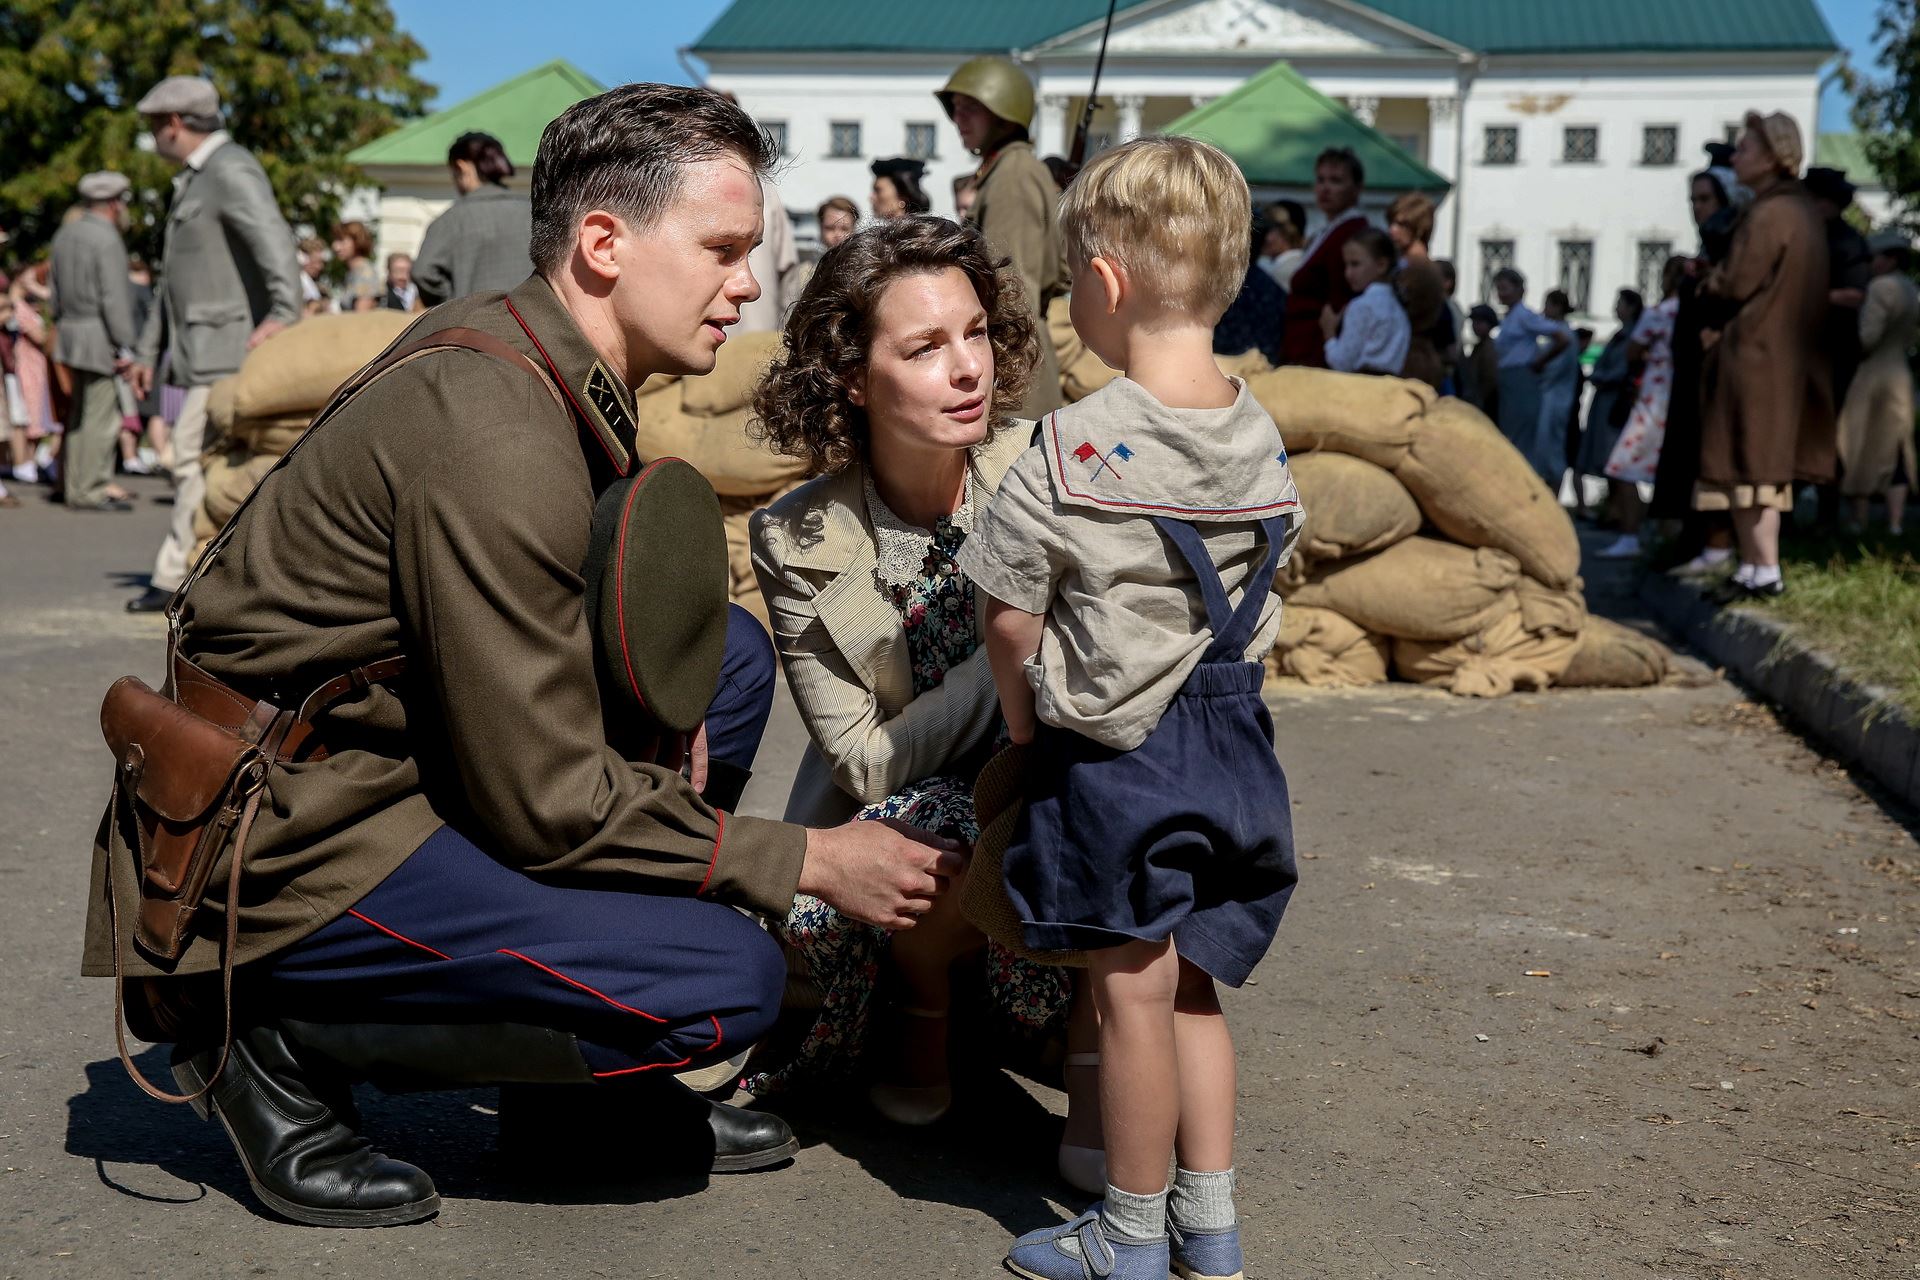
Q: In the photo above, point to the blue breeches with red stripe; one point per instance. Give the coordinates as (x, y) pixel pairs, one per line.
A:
(645, 982)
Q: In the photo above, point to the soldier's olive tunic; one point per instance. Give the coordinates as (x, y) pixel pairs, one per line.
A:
(1016, 210)
(445, 514)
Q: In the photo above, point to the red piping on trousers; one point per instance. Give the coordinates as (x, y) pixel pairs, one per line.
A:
(654, 1066)
(576, 983)
(395, 934)
(720, 829)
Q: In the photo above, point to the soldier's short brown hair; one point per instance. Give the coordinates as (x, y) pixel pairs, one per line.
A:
(623, 151)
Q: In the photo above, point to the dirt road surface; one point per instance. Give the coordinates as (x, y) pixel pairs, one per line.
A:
(1612, 984)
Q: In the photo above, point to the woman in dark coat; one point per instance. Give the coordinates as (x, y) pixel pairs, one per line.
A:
(1320, 282)
(1768, 420)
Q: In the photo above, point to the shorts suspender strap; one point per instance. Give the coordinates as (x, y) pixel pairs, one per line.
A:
(1232, 628)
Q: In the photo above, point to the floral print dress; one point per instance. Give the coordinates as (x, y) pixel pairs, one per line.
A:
(918, 573)
(1636, 458)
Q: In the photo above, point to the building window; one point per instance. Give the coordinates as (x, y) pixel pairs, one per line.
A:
(1650, 259)
(1502, 145)
(776, 131)
(920, 141)
(1495, 256)
(1660, 144)
(1576, 273)
(843, 139)
(1580, 144)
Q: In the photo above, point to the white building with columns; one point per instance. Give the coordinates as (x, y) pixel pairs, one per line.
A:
(1566, 130)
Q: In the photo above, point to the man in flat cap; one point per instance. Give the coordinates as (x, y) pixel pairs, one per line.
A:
(229, 281)
(93, 315)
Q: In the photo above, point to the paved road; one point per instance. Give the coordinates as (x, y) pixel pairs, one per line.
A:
(1717, 1079)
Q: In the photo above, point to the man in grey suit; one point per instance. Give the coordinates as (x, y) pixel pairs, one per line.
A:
(93, 318)
(230, 281)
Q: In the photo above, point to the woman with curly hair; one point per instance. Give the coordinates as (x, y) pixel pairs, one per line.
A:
(904, 358)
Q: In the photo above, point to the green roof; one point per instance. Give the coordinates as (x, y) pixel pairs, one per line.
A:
(1847, 153)
(1276, 124)
(515, 111)
(1485, 26)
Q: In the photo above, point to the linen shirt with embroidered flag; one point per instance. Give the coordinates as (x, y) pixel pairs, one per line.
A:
(1070, 535)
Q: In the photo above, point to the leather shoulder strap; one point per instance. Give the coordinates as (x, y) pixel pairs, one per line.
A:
(442, 339)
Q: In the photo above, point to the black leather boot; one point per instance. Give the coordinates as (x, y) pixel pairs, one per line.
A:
(291, 1126)
(549, 1099)
(681, 1131)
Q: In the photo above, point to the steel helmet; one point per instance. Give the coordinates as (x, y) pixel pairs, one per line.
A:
(997, 83)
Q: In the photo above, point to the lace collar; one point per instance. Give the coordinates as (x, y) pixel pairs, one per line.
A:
(903, 549)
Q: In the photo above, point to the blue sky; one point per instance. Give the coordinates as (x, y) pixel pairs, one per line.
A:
(473, 44)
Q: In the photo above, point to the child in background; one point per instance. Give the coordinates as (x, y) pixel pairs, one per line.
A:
(1129, 560)
(1372, 334)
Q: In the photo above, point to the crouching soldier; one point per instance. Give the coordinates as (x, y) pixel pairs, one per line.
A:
(383, 688)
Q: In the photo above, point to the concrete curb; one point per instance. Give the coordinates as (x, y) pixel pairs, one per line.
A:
(1856, 722)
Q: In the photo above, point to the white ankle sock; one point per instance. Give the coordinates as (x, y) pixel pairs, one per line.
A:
(1136, 1217)
(1764, 575)
(1202, 1201)
(1715, 555)
(1744, 574)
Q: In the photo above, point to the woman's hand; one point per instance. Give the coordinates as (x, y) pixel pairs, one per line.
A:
(1329, 321)
(884, 872)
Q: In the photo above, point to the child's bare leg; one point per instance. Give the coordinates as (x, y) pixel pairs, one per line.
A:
(1133, 987)
(1207, 1087)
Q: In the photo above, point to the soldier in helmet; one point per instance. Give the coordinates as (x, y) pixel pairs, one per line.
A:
(990, 101)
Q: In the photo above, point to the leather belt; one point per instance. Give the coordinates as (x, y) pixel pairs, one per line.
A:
(285, 735)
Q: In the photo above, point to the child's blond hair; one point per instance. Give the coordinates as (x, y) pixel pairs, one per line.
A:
(1175, 212)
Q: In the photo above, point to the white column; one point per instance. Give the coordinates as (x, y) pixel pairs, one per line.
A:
(1129, 105)
(1443, 134)
(1365, 110)
(1052, 133)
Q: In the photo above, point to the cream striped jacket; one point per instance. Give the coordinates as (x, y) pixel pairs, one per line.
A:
(844, 650)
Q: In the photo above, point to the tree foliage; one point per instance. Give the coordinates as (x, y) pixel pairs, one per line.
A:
(1886, 108)
(302, 83)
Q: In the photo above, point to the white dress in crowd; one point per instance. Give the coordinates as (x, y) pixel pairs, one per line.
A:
(1636, 457)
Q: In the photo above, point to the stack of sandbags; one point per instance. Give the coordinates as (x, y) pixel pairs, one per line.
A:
(255, 416)
(1082, 373)
(1431, 549)
(704, 421)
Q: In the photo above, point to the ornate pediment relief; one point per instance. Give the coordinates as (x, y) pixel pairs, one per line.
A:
(1272, 27)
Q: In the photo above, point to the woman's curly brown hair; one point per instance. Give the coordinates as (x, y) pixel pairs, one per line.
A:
(802, 408)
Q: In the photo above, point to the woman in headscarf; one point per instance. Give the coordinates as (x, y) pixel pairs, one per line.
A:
(1769, 418)
(1876, 428)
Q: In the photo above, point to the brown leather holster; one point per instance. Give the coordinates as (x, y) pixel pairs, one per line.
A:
(192, 761)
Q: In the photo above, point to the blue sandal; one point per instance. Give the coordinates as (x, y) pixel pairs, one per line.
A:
(1084, 1250)
(1206, 1255)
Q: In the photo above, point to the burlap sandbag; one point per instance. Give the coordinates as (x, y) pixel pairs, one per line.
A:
(1611, 656)
(1544, 608)
(742, 587)
(267, 435)
(297, 369)
(220, 417)
(1476, 488)
(229, 483)
(1368, 417)
(1326, 650)
(1418, 589)
(1491, 663)
(705, 421)
(1353, 507)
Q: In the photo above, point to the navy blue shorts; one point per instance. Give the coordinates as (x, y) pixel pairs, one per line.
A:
(645, 981)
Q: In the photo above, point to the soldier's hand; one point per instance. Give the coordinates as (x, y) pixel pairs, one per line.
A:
(140, 380)
(883, 873)
(264, 330)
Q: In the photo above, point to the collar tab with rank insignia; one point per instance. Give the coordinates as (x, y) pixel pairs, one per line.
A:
(609, 416)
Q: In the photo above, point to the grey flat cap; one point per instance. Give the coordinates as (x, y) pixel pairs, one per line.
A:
(105, 185)
(186, 95)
